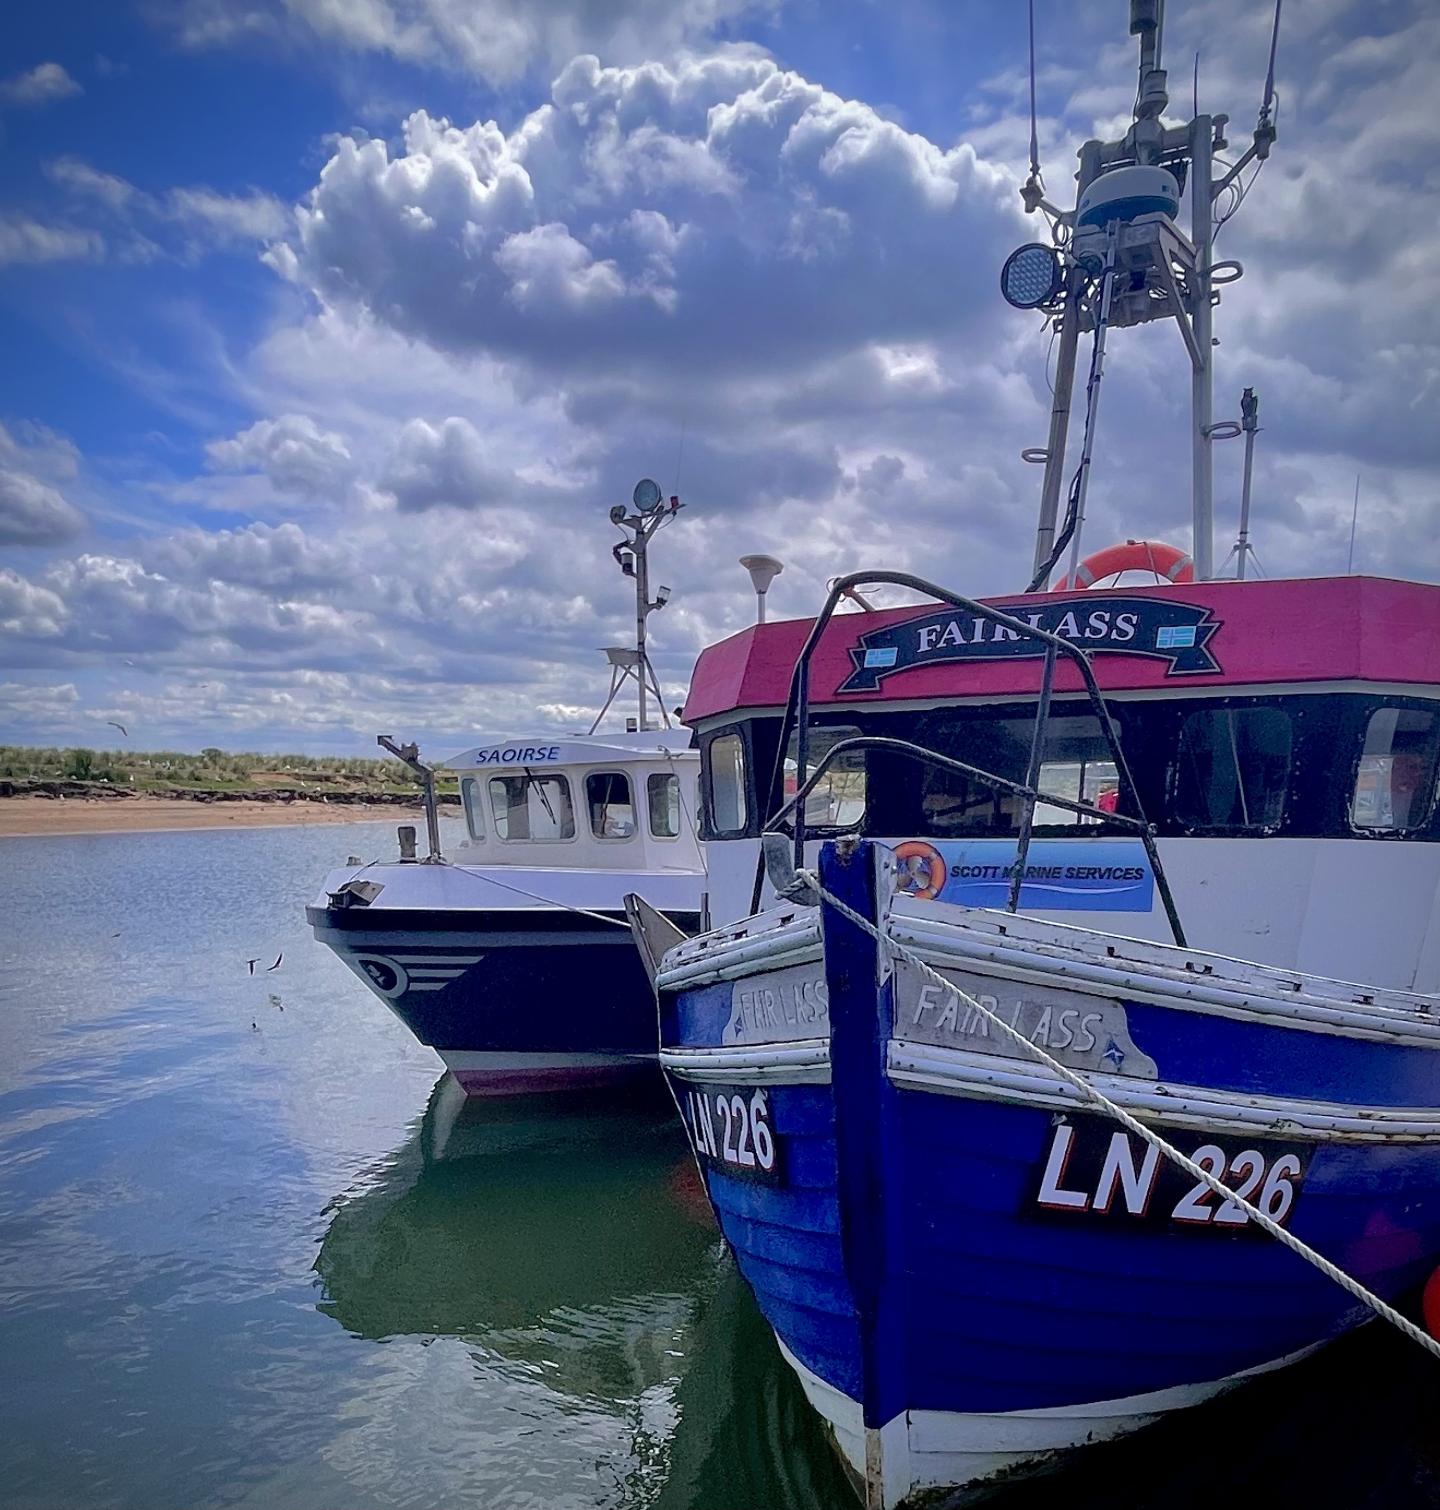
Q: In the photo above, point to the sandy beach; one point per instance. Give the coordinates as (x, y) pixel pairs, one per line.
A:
(33, 817)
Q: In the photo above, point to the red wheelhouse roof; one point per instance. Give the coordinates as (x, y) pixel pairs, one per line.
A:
(1190, 638)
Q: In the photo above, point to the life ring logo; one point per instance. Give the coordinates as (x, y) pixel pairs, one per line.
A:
(386, 975)
(920, 869)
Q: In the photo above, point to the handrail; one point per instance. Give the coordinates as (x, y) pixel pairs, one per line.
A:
(946, 762)
(797, 716)
(1000, 784)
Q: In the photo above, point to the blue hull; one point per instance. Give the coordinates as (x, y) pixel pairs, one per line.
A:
(513, 1003)
(931, 1252)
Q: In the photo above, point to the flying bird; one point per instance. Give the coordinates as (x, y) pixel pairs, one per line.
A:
(121, 727)
(252, 963)
(276, 965)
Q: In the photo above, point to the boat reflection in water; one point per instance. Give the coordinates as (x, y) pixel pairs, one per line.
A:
(570, 1249)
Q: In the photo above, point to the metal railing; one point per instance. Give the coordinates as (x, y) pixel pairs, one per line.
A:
(797, 719)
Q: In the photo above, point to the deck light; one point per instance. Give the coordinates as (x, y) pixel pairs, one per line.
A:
(647, 496)
(1032, 276)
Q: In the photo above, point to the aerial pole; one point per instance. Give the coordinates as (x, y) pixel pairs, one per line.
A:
(1123, 232)
(632, 555)
(1202, 351)
(1249, 424)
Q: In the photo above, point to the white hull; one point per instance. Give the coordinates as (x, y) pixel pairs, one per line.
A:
(927, 1449)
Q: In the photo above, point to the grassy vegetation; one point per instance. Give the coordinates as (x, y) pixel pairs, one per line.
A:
(161, 771)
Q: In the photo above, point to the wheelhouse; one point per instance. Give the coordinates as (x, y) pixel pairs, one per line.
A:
(615, 802)
(1302, 712)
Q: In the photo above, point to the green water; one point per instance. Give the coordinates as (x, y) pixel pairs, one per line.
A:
(254, 1251)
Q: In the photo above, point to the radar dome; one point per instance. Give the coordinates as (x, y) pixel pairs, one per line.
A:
(1124, 193)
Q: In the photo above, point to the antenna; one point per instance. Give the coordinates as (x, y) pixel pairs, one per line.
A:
(651, 512)
(1036, 178)
(1354, 517)
(1266, 122)
(763, 571)
(1228, 429)
(1126, 220)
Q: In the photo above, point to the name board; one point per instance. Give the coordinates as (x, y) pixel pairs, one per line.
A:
(1178, 634)
(518, 755)
(1082, 1031)
(1061, 875)
(782, 1007)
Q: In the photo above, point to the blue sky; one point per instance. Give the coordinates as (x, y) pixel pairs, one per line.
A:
(332, 332)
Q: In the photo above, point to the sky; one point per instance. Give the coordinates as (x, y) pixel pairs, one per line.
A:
(333, 329)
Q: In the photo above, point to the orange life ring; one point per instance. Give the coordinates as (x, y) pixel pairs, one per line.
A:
(920, 869)
(1168, 562)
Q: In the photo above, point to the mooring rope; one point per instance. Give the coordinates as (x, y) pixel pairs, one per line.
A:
(1197, 1172)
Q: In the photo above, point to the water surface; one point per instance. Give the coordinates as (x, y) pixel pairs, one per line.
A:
(253, 1251)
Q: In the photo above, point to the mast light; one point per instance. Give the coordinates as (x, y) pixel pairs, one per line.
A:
(1032, 276)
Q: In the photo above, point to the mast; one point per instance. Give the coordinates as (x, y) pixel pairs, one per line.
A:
(651, 513)
(1123, 231)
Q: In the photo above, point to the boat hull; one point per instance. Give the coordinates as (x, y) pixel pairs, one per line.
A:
(520, 1002)
(969, 1273)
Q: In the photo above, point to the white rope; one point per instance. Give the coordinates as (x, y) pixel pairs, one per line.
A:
(1194, 1170)
(489, 880)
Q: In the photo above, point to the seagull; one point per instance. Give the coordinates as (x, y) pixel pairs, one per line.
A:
(121, 727)
(276, 965)
(252, 963)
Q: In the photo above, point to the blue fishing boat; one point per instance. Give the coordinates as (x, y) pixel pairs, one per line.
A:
(1069, 1053)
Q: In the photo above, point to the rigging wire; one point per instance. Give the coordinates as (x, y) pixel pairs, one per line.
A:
(1036, 175)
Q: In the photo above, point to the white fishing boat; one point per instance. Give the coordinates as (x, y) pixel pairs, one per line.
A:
(511, 956)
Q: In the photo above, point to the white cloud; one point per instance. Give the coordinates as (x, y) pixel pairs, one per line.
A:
(33, 511)
(499, 40)
(29, 611)
(718, 211)
(444, 464)
(282, 560)
(25, 240)
(292, 451)
(38, 86)
(81, 178)
(191, 219)
(228, 218)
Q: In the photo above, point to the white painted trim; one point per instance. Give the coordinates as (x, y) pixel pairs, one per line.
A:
(947, 944)
(805, 1061)
(933, 1449)
(987, 1077)
(729, 953)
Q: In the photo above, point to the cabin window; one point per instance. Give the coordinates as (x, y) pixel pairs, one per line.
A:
(838, 800)
(1094, 781)
(534, 808)
(612, 810)
(1075, 762)
(1395, 783)
(729, 805)
(474, 807)
(662, 796)
(1233, 769)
